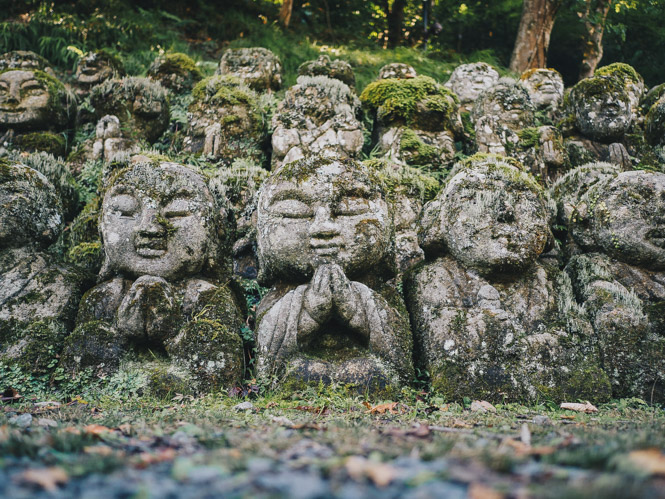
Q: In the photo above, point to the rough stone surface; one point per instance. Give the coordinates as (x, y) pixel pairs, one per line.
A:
(95, 68)
(545, 87)
(257, 67)
(176, 71)
(655, 123)
(324, 66)
(468, 81)
(397, 70)
(324, 234)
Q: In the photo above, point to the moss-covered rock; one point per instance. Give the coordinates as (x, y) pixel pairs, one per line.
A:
(94, 344)
(48, 142)
(175, 71)
(655, 123)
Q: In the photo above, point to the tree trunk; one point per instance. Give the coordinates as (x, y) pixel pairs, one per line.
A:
(594, 18)
(395, 17)
(285, 12)
(533, 34)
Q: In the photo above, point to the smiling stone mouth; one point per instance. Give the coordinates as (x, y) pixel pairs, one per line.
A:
(325, 248)
(151, 248)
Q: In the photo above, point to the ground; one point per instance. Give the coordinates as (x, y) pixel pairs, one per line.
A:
(326, 443)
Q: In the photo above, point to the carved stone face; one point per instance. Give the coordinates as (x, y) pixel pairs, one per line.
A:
(492, 217)
(93, 68)
(508, 103)
(159, 221)
(628, 220)
(24, 100)
(468, 81)
(320, 211)
(31, 210)
(545, 87)
(602, 108)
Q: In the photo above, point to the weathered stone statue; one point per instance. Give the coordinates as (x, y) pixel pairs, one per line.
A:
(24, 60)
(257, 67)
(397, 70)
(33, 106)
(492, 316)
(416, 121)
(176, 71)
(95, 68)
(545, 87)
(621, 279)
(468, 81)
(319, 115)
(38, 296)
(632, 82)
(140, 104)
(324, 66)
(600, 116)
(109, 142)
(225, 121)
(324, 242)
(164, 280)
(655, 123)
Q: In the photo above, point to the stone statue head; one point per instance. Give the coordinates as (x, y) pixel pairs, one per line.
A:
(655, 123)
(624, 216)
(468, 81)
(545, 87)
(96, 67)
(24, 60)
(632, 80)
(321, 210)
(490, 216)
(258, 67)
(397, 70)
(324, 66)
(601, 107)
(31, 208)
(33, 100)
(159, 220)
(508, 102)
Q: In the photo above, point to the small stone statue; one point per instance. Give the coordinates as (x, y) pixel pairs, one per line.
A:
(620, 279)
(545, 87)
(109, 141)
(324, 239)
(94, 68)
(324, 66)
(176, 71)
(257, 67)
(468, 81)
(164, 280)
(492, 316)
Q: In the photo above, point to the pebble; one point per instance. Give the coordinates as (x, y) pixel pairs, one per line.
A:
(22, 421)
(243, 406)
(541, 420)
(47, 423)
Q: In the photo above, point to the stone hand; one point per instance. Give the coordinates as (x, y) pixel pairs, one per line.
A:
(149, 309)
(347, 302)
(318, 298)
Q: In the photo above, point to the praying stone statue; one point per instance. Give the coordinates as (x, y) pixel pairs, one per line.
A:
(620, 278)
(468, 81)
(545, 87)
(164, 282)
(38, 295)
(176, 71)
(94, 68)
(493, 317)
(225, 121)
(324, 66)
(601, 115)
(257, 67)
(140, 104)
(319, 115)
(109, 142)
(324, 235)
(397, 70)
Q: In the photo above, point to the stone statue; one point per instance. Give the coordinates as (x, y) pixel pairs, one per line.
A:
(545, 87)
(324, 66)
(95, 68)
(164, 280)
(109, 142)
(468, 81)
(655, 123)
(176, 71)
(632, 81)
(620, 279)
(319, 115)
(397, 70)
(492, 316)
(257, 67)
(25, 60)
(324, 239)
(38, 296)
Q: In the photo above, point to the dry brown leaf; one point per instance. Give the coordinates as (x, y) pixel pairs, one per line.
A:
(146, 459)
(390, 407)
(568, 417)
(650, 460)
(586, 407)
(46, 478)
(96, 430)
(460, 423)
(360, 468)
(482, 406)
(480, 491)
(420, 431)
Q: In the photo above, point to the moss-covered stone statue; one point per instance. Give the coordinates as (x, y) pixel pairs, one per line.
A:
(140, 104)
(324, 66)
(655, 123)
(324, 243)
(257, 67)
(492, 317)
(319, 115)
(176, 71)
(164, 281)
(545, 87)
(620, 279)
(225, 121)
(94, 68)
(505, 124)
(38, 296)
(35, 108)
(416, 121)
(468, 81)
(600, 116)
(397, 70)
(632, 81)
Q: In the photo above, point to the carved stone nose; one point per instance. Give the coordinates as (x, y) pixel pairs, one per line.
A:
(149, 226)
(14, 96)
(323, 226)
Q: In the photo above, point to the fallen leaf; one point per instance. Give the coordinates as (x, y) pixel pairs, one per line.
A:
(482, 406)
(586, 407)
(568, 417)
(480, 491)
(649, 460)
(360, 468)
(145, 459)
(390, 407)
(270, 405)
(319, 411)
(96, 430)
(46, 478)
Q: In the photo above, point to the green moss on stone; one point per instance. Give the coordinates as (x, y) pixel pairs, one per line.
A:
(620, 70)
